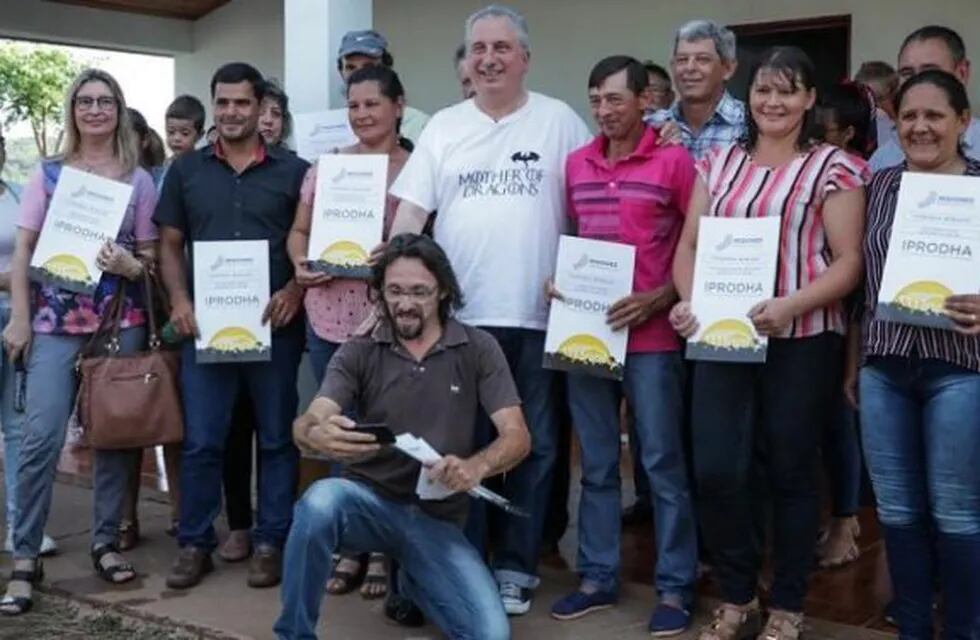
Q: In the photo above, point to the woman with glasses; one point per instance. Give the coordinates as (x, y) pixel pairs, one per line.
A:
(336, 307)
(49, 326)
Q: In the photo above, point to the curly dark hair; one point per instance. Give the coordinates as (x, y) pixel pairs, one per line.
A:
(435, 260)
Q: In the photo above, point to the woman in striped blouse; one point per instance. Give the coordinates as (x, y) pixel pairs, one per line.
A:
(920, 392)
(773, 412)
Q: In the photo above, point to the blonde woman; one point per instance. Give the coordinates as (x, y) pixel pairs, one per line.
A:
(49, 326)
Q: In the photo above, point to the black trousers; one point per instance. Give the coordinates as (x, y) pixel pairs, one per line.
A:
(756, 434)
(238, 465)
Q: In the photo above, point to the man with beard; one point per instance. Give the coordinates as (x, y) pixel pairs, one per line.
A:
(423, 372)
(234, 189)
(494, 168)
(702, 62)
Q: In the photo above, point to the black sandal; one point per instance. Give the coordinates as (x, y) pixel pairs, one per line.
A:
(350, 579)
(12, 606)
(109, 574)
(373, 579)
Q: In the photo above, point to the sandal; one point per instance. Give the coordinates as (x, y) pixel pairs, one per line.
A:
(111, 573)
(375, 584)
(129, 534)
(839, 544)
(733, 622)
(342, 580)
(15, 606)
(783, 625)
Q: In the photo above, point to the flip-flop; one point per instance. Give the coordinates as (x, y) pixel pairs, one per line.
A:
(349, 580)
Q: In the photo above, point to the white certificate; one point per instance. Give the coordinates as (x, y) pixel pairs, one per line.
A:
(320, 132)
(348, 213)
(735, 269)
(231, 291)
(85, 211)
(591, 276)
(933, 250)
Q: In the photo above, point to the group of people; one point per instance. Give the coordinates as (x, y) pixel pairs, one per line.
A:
(445, 340)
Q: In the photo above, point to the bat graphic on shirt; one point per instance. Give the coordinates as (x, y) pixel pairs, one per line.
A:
(525, 157)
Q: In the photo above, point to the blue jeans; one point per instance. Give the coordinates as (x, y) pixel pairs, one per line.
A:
(653, 385)
(51, 387)
(440, 571)
(209, 392)
(517, 541)
(921, 431)
(12, 423)
(320, 351)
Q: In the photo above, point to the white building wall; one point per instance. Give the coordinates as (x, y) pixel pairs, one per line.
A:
(569, 36)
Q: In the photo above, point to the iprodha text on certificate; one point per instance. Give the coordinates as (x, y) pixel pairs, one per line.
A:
(231, 292)
(734, 270)
(591, 276)
(348, 213)
(933, 249)
(86, 211)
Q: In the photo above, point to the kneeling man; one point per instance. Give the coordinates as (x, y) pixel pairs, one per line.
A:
(422, 372)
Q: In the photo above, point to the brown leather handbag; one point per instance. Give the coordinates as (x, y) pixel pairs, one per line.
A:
(128, 401)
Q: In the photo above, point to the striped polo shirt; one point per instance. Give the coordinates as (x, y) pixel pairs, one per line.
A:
(891, 338)
(795, 192)
(639, 200)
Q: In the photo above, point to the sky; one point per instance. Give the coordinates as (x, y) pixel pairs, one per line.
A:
(147, 81)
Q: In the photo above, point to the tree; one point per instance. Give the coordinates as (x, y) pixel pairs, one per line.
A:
(33, 82)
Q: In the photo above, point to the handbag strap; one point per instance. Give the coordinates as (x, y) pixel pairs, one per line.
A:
(109, 324)
(151, 315)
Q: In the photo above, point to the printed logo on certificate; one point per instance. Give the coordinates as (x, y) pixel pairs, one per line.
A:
(933, 249)
(734, 270)
(348, 213)
(86, 210)
(320, 132)
(591, 275)
(231, 291)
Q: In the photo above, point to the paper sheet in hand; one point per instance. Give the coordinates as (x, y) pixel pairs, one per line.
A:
(735, 269)
(934, 250)
(591, 275)
(419, 449)
(231, 291)
(321, 132)
(85, 211)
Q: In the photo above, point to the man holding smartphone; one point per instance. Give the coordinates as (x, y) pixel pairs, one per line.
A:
(420, 372)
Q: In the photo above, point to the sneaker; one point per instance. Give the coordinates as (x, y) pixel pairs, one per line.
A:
(190, 567)
(578, 604)
(48, 546)
(783, 625)
(733, 622)
(516, 599)
(668, 621)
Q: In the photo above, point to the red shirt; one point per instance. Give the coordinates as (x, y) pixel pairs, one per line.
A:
(641, 200)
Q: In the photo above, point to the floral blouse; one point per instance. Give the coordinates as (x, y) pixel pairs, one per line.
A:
(56, 311)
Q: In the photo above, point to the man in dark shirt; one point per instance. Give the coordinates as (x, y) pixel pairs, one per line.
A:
(235, 189)
(420, 372)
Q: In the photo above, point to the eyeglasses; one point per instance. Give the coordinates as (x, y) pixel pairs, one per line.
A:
(393, 293)
(85, 103)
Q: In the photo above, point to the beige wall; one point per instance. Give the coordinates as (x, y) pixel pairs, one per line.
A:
(242, 30)
(569, 36)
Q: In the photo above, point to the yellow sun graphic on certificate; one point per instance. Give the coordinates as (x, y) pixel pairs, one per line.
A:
(586, 349)
(729, 334)
(925, 295)
(67, 266)
(233, 339)
(345, 253)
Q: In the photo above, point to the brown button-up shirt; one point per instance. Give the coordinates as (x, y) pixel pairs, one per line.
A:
(435, 399)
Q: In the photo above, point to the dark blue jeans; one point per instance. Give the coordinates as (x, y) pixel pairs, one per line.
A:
(439, 570)
(517, 541)
(921, 431)
(209, 393)
(756, 430)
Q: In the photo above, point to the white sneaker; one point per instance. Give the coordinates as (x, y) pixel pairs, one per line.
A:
(48, 546)
(515, 598)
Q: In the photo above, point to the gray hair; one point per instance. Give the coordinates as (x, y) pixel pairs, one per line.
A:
(500, 11)
(723, 37)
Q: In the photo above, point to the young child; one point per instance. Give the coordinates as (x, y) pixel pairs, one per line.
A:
(185, 124)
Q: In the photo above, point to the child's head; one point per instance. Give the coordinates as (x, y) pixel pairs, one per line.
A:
(185, 124)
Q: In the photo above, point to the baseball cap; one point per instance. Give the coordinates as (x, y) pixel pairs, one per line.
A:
(366, 42)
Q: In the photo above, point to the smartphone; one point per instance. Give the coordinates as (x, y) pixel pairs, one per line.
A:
(379, 430)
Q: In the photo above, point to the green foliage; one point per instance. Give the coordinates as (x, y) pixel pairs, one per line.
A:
(33, 82)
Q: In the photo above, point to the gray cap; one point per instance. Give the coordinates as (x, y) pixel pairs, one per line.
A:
(367, 42)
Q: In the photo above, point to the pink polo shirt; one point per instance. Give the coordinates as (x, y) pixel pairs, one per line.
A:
(641, 200)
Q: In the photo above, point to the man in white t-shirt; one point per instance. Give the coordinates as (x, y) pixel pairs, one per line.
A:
(493, 167)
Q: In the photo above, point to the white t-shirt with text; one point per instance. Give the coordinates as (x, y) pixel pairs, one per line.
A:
(499, 190)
